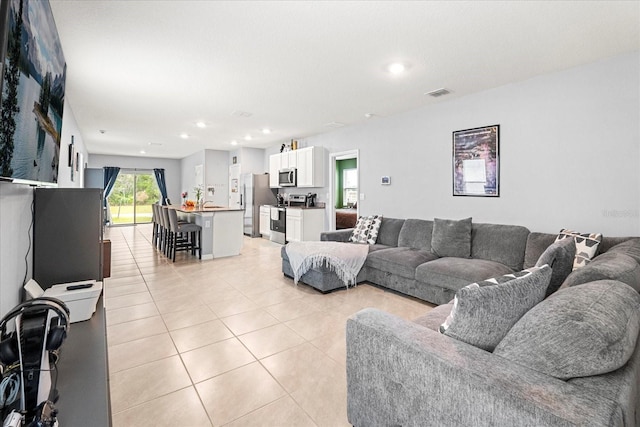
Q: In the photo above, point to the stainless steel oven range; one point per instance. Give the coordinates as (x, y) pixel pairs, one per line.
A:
(278, 224)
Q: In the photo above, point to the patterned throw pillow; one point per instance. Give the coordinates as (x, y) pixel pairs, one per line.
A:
(484, 312)
(586, 245)
(366, 230)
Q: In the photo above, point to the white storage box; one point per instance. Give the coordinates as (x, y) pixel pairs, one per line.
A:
(81, 302)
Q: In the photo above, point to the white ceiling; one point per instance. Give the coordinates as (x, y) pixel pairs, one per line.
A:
(147, 71)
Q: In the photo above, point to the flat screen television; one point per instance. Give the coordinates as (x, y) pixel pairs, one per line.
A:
(33, 86)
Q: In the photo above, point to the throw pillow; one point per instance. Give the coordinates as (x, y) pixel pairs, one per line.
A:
(451, 238)
(586, 245)
(366, 229)
(484, 312)
(559, 256)
(585, 330)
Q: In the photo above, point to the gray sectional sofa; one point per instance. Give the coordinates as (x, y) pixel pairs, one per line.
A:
(572, 359)
(403, 260)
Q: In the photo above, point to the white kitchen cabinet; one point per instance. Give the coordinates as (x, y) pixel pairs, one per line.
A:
(265, 220)
(308, 161)
(310, 167)
(274, 168)
(304, 224)
(289, 159)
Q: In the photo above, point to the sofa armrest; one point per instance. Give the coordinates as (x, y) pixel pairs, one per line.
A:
(337, 236)
(400, 373)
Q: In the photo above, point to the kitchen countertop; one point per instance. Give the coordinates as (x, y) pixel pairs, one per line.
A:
(296, 207)
(305, 207)
(208, 209)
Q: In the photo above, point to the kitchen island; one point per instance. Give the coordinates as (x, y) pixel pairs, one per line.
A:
(222, 229)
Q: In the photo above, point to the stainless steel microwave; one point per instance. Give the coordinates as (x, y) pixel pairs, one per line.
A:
(287, 177)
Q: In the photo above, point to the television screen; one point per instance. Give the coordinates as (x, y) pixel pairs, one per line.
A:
(33, 85)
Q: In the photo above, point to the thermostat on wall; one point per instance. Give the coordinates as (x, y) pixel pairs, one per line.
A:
(385, 180)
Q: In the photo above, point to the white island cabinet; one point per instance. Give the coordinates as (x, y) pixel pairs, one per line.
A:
(222, 230)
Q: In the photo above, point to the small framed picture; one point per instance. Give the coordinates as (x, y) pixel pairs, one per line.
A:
(385, 180)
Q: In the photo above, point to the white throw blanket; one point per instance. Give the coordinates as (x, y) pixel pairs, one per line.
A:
(345, 259)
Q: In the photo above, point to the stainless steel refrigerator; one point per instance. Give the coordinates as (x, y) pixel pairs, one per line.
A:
(254, 192)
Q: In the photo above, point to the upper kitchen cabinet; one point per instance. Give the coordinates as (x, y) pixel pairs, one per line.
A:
(308, 161)
(310, 167)
(274, 168)
(289, 159)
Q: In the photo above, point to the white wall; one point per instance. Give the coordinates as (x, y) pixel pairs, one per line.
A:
(171, 168)
(215, 165)
(251, 160)
(569, 153)
(15, 242)
(69, 128)
(217, 176)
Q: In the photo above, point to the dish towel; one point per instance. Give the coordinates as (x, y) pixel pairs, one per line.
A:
(345, 259)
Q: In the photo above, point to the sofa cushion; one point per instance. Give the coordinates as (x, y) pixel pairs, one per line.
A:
(537, 243)
(435, 317)
(451, 238)
(366, 229)
(586, 245)
(399, 261)
(455, 273)
(559, 256)
(416, 233)
(483, 314)
(629, 247)
(581, 331)
(389, 231)
(505, 244)
(609, 265)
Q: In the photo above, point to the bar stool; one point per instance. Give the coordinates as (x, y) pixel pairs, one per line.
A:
(185, 236)
(155, 235)
(166, 236)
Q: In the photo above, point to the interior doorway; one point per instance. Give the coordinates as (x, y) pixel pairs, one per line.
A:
(344, 183)
(132, 196)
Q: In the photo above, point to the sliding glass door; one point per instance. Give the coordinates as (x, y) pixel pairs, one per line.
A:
(133, 194)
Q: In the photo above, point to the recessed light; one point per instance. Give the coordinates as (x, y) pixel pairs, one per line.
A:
(266, 131)
(143, 152)
(184, 135)
(396, 68)
(247, 137)
(234, 142)
(369, 115)
(201, 125)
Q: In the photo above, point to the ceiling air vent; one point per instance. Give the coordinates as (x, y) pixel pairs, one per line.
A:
(438, 92)
(334, 125)
(239, 113)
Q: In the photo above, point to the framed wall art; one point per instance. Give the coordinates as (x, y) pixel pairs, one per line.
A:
(476, 162)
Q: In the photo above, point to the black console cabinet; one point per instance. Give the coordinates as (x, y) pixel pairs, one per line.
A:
(67, 239)
(83, 374)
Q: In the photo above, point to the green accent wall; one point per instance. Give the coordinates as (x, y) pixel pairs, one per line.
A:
(341, 165)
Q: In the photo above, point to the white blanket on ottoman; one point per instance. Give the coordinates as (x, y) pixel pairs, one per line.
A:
(345, 259)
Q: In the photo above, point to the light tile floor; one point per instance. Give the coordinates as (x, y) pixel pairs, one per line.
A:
(228, 341)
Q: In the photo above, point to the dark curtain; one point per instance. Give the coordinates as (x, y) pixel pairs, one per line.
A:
(162, 185)
(110, 175)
